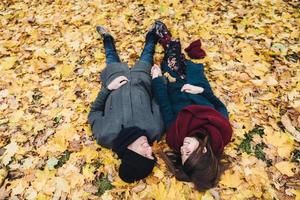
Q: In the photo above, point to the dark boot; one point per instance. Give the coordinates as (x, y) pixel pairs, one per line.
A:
(163, 33)
(109, 45)
(161, 29)
(102, 31)
(151, 35)
(109, 42)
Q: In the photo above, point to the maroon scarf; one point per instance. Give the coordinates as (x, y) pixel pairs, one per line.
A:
(196, 119)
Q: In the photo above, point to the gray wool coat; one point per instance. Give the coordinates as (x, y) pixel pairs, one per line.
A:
(131, 105)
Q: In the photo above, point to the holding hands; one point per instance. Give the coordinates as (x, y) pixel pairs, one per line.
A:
(155, 71)
(117, 83)
(188, 88)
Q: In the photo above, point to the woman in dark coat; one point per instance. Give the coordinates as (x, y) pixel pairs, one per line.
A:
(196, 120)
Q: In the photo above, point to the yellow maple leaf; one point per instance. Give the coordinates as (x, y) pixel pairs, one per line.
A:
(205, 34)
(174, 191)
(18, 187)
(42, 178)
(158, 173)
(296, 193)
(289, 126)
(118, 182)
(57, 144)
(216, 66)
(108, 157)
(98, 55)
(65, 70)
(268, 96)
(283, 142)
(62, 185)
(16, 116)
(286, 168)
(11, 150)
(88, 172)
(271, 81)
(255, 31)
(259, 68)
(66, 132)
(88, 153)
(228, 30)
(87, 130)
(257, 82)
(8, 62)
(248, 54)
(40, 53)
(231, 179)
(3, 174)
(42, 196)
(207, 196)
(107, 196)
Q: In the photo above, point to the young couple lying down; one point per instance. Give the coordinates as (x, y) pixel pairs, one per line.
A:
(137, 106)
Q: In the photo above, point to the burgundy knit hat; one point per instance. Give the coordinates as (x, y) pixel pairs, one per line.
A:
(195, 51)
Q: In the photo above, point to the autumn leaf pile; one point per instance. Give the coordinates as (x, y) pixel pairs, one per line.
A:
(50, 60)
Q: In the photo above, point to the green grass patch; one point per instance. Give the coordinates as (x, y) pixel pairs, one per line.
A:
(103, 184)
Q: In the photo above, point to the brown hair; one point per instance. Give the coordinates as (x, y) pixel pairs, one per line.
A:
(202, 169)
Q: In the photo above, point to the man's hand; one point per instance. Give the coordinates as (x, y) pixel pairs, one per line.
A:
(117, 83)
(192, 89)
(155, 71)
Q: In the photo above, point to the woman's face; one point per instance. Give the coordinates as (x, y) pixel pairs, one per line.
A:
(142, 147)
(190, 144)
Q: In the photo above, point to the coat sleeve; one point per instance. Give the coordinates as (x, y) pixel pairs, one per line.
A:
(98, 105)
(196, 76)
(160, 93)
(218, 104)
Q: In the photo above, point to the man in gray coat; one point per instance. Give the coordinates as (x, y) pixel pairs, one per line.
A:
(125, 116)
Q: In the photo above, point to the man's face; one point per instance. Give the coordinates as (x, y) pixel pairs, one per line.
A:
(142, 147)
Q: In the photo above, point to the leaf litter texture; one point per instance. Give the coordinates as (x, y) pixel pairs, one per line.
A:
(50, 60)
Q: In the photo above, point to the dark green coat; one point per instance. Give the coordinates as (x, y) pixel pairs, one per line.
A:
(171, 100)
(130, 105)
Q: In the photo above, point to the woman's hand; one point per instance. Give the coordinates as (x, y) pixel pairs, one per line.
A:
(192, 89)
(117, 83)
(155, 71)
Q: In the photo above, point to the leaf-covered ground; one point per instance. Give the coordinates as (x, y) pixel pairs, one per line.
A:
(50, 60)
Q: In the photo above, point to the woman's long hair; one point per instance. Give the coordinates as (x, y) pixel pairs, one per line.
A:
(201, 168)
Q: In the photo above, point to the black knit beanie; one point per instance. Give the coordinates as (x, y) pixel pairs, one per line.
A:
(133, 165)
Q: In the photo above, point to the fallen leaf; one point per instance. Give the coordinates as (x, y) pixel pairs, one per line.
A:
(3, 174)
(51, 162)
(289, 127)
(232, 180)
(7, 62)
(286, 168)
(11, 150)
